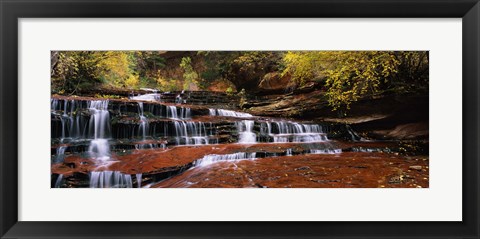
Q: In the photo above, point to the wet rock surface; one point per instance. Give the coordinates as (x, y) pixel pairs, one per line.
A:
(345, 170)
(175, 167)
(184, 141)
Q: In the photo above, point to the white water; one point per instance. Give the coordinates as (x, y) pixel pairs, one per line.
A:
(58, 182)
(110, 179)
(172, 112)
(284, 132)
(190, 133)
(60, 154)
(148, 97)
(139, 180)
(289, 152)
(99, 149)
(325, 151)
(214, 158)
(143, 129)
(245, 132)
(72, 125)
(179, 100)
(229, 113)
(100, 126)
(186, 113)
(97, 130)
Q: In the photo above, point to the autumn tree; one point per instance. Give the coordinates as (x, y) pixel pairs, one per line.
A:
(190, 76)
(77, 70)
(351, 75)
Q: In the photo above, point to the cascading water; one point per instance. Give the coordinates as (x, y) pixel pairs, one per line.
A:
(189, 133)
(139, 180)
(228, 113)
(186, 113)
(83, 126)
(154, 96)
(214, 158)
(100, 126)
(72, 125)
(58, 182)
(60, 154)
(289, 152)
(173, 112)
(148, 97)
(245, 132)
(325, 151)
(110, 179)
(284, 132)
(143, 121)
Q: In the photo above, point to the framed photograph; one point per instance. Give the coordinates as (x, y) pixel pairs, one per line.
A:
(239, 119)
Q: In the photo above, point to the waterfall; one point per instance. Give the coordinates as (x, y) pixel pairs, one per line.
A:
(71, 123)
(53, 104)
(139, 180)
(212, 112)
(172, 112)
(100, 126)
(58, 182)
(110, 179)
(228, 113)
(325, 151)
(289, 152)
(190, 133)
(284, 132)
(143, 129)
(213, 158)
(60, 155)
(178, 99)
(185, 113)
(245, 132)
(148, 97)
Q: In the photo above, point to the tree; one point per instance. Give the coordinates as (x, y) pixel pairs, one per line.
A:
(115, 67)
(190, 76)
(351, 75)
(77, 70)
(74, 70)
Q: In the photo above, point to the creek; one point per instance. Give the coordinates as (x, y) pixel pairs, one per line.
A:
(147, 140)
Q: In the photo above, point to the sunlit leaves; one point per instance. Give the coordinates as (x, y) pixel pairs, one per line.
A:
(348, 75)
(190, 76)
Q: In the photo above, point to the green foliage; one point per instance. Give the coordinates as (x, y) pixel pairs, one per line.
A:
(132, 81)
(190, 76)
(345, 76)
(240, 67)
(168, 84)
(78, 70)
(116, 68)
(304, 66)
(73, 70)
(210, 74)
(148, 63)
(147, 82)
(256, 60)
(351, 75)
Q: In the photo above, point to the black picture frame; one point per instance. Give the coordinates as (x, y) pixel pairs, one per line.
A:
(11, 11)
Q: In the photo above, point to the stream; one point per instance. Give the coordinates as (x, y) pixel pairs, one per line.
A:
(152, 140)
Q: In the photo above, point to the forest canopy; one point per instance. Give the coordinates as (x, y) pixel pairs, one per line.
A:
(343, 76)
